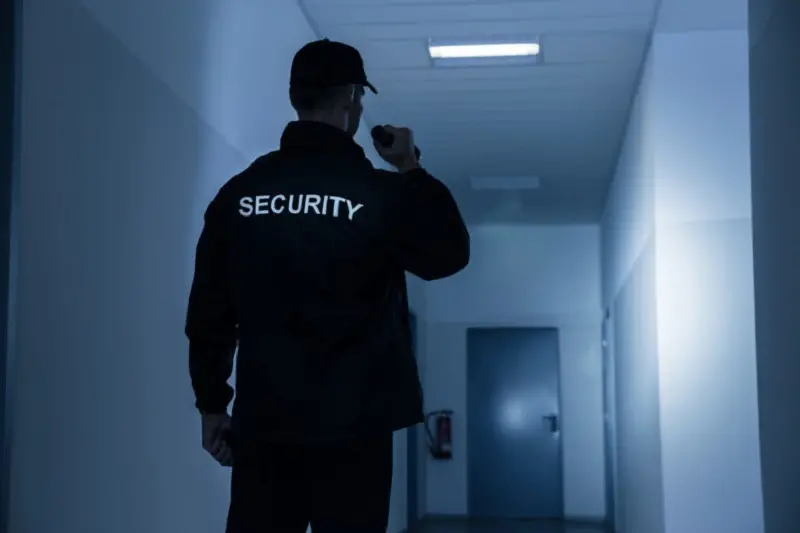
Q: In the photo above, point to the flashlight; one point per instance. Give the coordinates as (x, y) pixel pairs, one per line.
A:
(385, 138)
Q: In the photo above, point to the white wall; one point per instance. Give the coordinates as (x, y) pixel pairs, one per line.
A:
(775, 129)
(417, 295)
(133, 115)
(628, 257)
(677, 234)
(522, 276)
(704, 269)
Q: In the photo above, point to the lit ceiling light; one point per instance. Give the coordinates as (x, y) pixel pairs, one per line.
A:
(474, 51)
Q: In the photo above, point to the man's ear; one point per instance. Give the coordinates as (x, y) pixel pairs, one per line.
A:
(348, 102)
(350, 95)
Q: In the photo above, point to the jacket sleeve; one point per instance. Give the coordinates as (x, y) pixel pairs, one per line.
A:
(211, 319)
(427, 232)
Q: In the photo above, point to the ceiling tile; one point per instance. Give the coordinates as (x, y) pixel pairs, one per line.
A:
(560, 120)
(330, 13)
(594, 47)
(477, 30)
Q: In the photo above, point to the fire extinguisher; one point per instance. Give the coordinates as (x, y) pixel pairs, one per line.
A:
(441, 438)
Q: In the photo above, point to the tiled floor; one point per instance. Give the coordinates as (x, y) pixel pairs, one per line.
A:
(500, 526)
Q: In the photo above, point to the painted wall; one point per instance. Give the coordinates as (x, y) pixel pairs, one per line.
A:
(523, 276)
(704, 287)
(418, 299)
(628, 258)
(775, 134)
(133, 115)
(8, 134)
(678, 274)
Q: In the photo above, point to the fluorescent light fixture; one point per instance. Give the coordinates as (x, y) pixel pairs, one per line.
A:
(506, 52)
(474, 51)
(524, 183)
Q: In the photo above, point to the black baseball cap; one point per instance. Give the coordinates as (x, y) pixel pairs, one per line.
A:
(328, 63)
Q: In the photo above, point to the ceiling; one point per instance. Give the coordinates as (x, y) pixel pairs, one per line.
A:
(561, 120)
(678, 16)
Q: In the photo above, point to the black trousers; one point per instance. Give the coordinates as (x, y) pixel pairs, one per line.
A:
(284, 488)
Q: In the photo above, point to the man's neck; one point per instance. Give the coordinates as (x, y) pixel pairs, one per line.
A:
(313, 117)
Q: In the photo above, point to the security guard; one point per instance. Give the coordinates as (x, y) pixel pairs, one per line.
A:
(301, 266)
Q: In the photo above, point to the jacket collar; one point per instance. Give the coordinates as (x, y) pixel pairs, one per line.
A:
(316, 137)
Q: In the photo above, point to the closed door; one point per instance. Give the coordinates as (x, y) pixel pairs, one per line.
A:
(513, 423)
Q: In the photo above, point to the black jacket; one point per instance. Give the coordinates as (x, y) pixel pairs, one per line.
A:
(301, 264)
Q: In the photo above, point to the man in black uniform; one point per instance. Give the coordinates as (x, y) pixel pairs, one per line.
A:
(301, 266)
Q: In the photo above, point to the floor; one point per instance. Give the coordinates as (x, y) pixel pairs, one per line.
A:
(503, 526)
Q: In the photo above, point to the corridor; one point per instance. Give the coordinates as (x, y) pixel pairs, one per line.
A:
(620, 353)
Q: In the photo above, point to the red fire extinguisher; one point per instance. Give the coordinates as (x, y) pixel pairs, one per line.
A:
(441, 437)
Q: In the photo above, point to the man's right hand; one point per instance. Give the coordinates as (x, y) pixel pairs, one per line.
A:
(216, 428)
(400, 154)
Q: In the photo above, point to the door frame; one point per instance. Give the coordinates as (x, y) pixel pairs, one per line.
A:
(559, 398)
(609, 419)
(10, 37)
(412, 445)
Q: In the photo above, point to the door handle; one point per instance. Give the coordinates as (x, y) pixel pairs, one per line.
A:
(552, 421)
